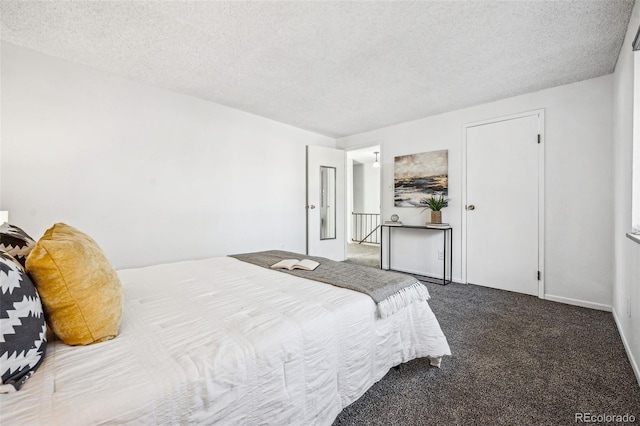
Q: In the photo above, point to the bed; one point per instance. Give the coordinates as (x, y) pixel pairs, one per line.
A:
(224, 341)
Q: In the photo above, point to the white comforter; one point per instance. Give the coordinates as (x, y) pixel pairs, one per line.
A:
(223, 341)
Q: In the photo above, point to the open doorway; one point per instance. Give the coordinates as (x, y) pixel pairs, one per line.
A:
(363, 206)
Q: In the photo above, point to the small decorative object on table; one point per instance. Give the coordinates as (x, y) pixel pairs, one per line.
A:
(435, 204)
(394, 221)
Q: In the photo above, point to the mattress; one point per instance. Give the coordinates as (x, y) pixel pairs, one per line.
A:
(223, 341)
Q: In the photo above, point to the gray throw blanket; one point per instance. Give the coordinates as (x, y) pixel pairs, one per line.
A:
(391, 291)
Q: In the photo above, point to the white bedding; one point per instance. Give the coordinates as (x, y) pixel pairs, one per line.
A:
(220, 340)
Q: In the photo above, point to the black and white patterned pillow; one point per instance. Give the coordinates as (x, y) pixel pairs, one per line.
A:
(16, 242)
(23, 329)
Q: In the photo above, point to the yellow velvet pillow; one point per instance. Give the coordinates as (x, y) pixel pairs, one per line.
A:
(79, 288)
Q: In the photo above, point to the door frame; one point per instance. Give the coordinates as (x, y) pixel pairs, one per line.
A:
(371, 144)
(540, 114)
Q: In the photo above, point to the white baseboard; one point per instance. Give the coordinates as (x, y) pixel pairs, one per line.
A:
(577, 302)
(632, 361)
(421, 273)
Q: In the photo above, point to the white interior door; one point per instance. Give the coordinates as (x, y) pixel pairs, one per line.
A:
(326, 202)
(502, 204)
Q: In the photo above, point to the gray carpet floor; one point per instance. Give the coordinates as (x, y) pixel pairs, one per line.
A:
(364, 254)
(517, 360)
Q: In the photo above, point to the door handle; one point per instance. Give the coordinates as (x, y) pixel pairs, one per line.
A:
(312, 207)
(471, 207)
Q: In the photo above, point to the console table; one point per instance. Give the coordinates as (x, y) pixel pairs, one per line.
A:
(447, 234)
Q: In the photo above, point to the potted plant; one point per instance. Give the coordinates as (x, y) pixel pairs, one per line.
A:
(435, 204)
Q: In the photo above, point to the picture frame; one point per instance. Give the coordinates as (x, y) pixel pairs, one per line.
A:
(418, 176)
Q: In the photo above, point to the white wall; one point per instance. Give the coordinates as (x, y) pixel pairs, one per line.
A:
(153, 176)
(578, 168)
(366, 189)
(626, 282)
(358, 188)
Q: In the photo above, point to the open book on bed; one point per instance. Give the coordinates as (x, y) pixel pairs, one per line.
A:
(291, 264)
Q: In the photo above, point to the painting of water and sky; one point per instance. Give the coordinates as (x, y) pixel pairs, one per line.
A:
(419, 176)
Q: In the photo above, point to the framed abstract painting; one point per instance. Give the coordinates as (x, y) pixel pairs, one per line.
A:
(417, 176)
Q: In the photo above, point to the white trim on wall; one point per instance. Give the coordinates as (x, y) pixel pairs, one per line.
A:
(635, 168)
(577, 302)
(634, 364)
(540, 114)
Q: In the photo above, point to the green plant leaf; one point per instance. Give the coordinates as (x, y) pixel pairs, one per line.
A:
(435, 203)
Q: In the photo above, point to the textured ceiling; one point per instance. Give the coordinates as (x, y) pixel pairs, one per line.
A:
(336, 68)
